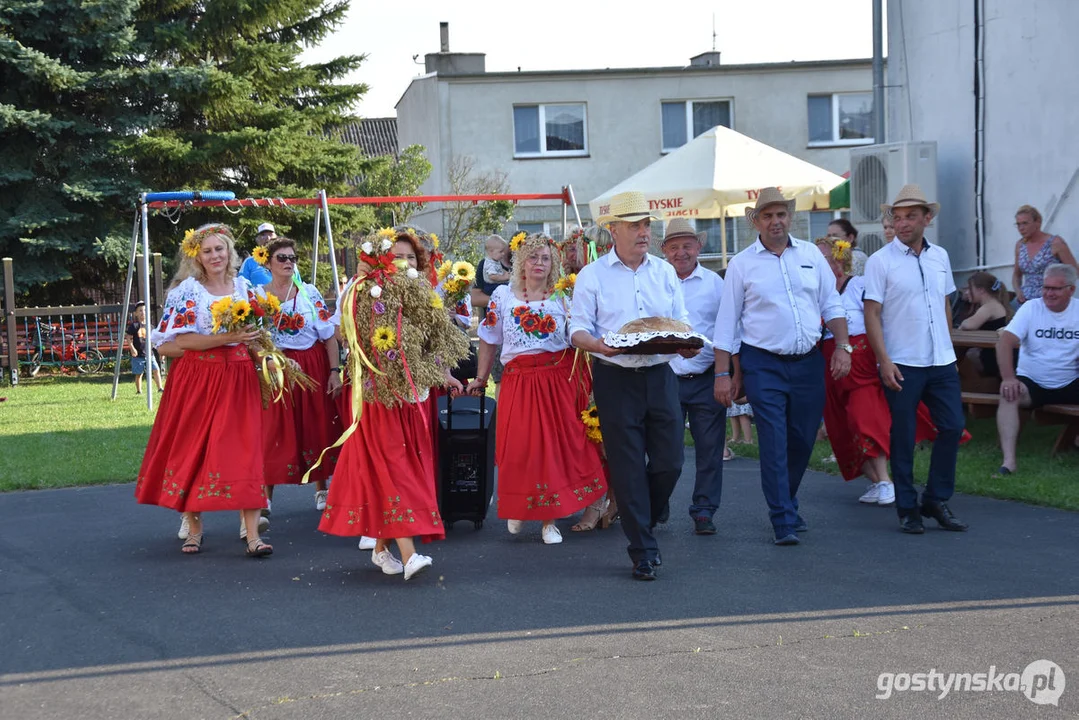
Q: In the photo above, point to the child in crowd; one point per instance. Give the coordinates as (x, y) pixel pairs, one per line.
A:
(136, 337)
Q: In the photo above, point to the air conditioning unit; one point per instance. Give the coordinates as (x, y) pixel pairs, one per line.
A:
(877, 172)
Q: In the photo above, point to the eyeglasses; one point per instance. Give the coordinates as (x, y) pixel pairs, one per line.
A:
(1056, 288)
(282, 258)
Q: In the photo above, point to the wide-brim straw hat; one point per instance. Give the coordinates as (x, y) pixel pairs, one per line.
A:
(629, 206)
(680, 227)
(910, 196)
(765, 197)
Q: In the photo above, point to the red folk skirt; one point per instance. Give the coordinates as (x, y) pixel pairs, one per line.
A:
(384, 483)
(205, 448)
(547, 466)
(856, 413)
(296, 429)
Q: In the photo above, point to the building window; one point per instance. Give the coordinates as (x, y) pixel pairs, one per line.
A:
(713, 241)
(564, 130)
(684, 120)
(841, 119)
(552, 230)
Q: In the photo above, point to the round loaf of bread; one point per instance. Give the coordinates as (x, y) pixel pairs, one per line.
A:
(654, 324)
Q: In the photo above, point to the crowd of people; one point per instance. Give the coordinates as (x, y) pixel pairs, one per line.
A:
(800, 332)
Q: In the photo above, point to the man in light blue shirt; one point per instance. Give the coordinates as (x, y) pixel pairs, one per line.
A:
(250, 269)
(701, 291)
(775, 295)
(636, 395)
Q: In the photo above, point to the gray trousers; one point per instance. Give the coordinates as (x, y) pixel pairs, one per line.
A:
(640, 418)
(708, 426)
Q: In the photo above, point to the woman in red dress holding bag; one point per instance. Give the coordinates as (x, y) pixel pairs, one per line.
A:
(384, 482)
(856, 414)
(548, 468)
(205, 448)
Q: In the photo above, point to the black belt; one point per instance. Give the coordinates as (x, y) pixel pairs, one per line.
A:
(641, 369)
(785, 358)
(707, 371)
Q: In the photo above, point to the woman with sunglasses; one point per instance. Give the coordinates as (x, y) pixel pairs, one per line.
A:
(297, 429)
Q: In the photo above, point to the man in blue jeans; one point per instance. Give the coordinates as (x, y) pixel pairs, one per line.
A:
(908, 321)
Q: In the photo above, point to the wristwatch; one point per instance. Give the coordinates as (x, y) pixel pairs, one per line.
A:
(848, 347)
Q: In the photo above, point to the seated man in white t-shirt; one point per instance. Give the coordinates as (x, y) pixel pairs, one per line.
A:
(1046, 332)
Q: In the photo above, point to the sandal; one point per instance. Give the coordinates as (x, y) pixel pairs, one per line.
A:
(257, 548)
(1002, 472)
(728, 454)
(611, 515)
(193, 545)
(591, 517)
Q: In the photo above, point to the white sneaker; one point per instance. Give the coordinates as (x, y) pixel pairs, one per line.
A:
(551, 535)
(416, 564)
(514, 526)
(264, 525)
(871, 495)
(185, 529)
(389, 564)
(320, 499)
(887, 494)
(367, 543)
(268, 510)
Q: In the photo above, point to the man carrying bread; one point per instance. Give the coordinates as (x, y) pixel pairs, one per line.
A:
(775, 294)
(636, 395)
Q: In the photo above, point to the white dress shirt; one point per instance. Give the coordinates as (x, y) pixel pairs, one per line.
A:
(853, 306)
(701, 292)
(912, 290)
(776, 302)
(608, 294)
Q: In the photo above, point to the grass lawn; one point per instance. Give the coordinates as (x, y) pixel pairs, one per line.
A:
(64, 431)
(1041, 480)
(58, 431)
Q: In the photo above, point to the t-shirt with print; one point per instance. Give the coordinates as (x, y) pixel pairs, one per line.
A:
(1048, 343)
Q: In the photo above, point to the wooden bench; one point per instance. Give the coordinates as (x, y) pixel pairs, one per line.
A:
(982, 405)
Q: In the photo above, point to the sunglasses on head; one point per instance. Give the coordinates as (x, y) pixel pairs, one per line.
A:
(282, 258)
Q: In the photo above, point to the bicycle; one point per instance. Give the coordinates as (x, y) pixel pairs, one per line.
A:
(86, 360)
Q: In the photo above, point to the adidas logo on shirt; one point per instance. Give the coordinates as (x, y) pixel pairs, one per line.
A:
(1056, 334)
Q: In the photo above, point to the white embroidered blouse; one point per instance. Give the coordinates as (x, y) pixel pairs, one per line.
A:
(524, 328)
(187, 309)
(304, 319)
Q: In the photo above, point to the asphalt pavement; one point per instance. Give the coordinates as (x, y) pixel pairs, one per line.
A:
(104, 618)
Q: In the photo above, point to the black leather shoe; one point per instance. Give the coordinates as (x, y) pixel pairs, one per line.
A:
(643, 570)
(703, 525)
(800, 526)
(943, 515)
(911, 523)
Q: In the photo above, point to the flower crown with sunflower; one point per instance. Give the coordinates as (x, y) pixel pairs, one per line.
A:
(193, 238)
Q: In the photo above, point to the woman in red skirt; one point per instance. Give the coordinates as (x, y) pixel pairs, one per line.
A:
(547, 466)
(297, 429)
(205, 448)
(384, 482)
(856, 414)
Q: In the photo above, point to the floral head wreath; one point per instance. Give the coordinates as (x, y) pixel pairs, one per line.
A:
(193, 238)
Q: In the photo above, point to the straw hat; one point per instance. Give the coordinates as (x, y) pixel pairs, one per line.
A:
(679, 227)
(629, 206)
(765, 197)
(911, 196)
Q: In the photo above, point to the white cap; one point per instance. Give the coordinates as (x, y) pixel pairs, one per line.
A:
(265, 227)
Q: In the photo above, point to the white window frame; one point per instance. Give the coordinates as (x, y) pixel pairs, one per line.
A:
(688, 104)
(544, 152)
(836, 141)
(732, 240)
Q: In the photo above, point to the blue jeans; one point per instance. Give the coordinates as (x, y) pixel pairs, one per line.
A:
(708, 426)
(938, 388)
(788, 402)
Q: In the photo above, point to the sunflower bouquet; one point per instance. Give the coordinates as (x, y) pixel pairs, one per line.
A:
(456, 279)
(277, 373)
